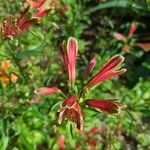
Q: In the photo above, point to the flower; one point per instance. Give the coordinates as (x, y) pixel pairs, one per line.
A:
(127, 40)
(109, 70)
(70, 50)
(108, 106)
(13, 27)
(70, 108)
(47, 91)
(5, 76)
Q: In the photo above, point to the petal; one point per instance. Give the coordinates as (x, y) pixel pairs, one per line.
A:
(119, 36)
(47, 91)
(133, 29)
(109, 70)
(108, 106)
(90, 66)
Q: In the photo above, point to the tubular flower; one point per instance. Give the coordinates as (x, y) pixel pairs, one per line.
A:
(70, 108)
(47, 91)
(108, 106)
(109, 70)
(70, 51)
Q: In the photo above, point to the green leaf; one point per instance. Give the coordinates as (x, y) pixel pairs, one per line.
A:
(70, 134)
(33, 51)
(117, 4)
(4, 135)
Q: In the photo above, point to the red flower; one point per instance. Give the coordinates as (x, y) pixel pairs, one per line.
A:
(47, 90)
(69, 56)
(70, 109)
(108, 106)
(109, 70)
(13, 27)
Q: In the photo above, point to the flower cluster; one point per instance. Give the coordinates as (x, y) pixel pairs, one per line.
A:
(13, 26)
(70, 108)
(128, 43)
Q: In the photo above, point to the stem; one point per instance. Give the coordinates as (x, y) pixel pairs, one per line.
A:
(63, 95)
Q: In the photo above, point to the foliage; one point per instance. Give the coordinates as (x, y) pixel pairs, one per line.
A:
(29, 121)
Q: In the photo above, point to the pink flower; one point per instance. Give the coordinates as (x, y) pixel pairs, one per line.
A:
(90, 66)
(47, 91)
(71, 110)
(70, 51)
(108, 106)
(109, 70)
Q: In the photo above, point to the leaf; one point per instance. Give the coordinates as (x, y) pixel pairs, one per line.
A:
(4, 135)
(33, 51)
(117, 4)
(70, 134)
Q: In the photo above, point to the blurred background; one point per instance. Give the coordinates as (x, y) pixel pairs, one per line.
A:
(33, 60)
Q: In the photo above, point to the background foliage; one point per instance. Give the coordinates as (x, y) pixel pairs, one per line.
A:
(36, 60)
